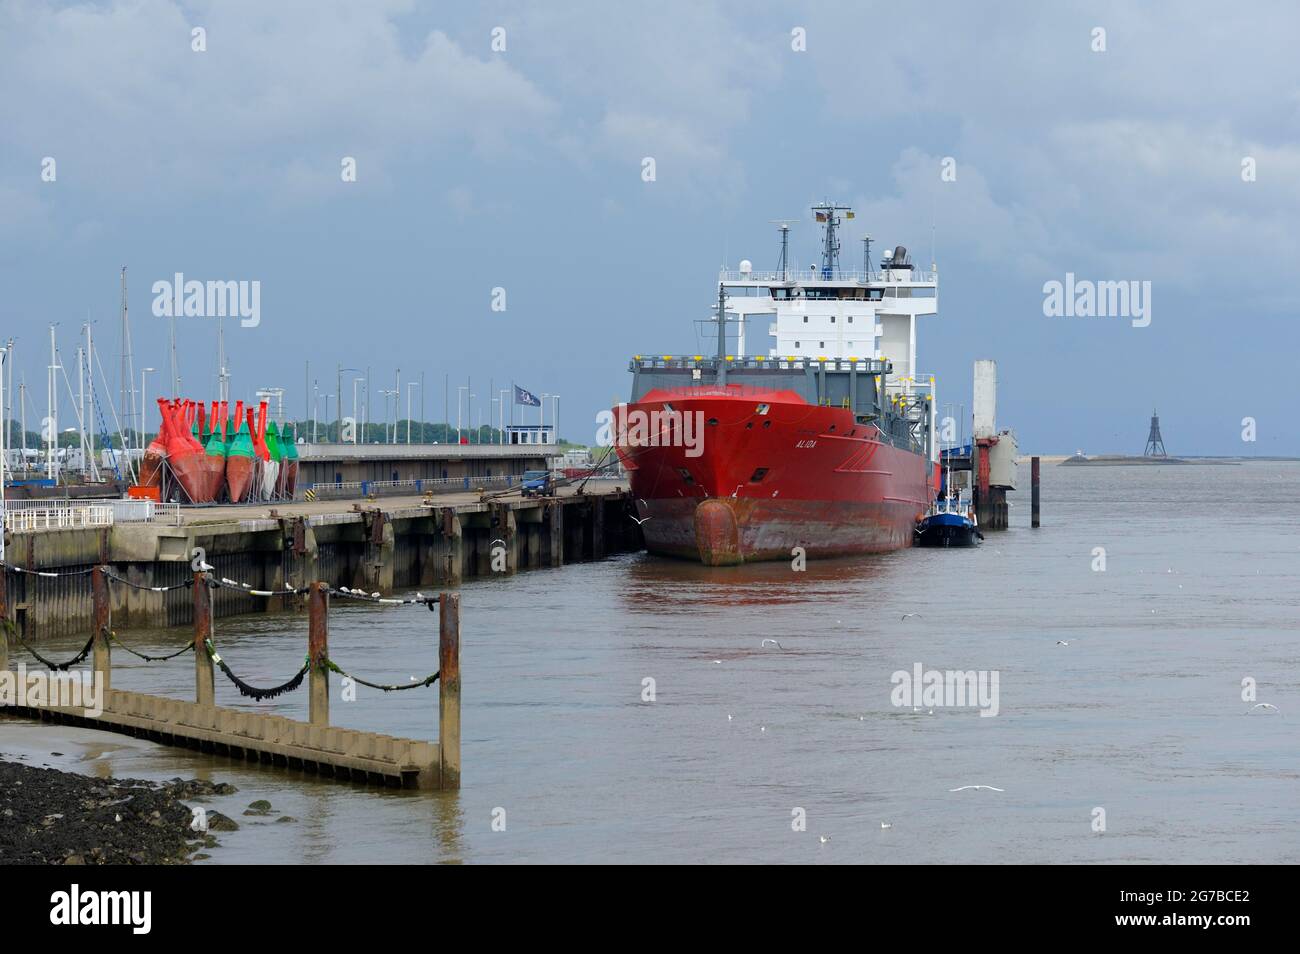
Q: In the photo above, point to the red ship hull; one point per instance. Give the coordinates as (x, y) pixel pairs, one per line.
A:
(755, 474)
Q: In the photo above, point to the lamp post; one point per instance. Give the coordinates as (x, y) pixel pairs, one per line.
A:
(387, 393)
(409, 385)
(459, 388)
(354, 371)
(501, 429)
(355, 381)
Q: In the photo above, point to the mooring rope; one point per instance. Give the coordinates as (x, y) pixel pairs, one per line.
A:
(247, 588)
(184, 649)
(143, 586)
(354, 594)
(49, 664)
(252, 692)
(45, 573)
(427, 681)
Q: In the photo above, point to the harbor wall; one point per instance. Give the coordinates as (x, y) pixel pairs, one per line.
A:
(374, 546)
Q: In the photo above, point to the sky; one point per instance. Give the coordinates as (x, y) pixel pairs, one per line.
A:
(502, 147)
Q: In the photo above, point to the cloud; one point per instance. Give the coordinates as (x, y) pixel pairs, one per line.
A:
(281, 94)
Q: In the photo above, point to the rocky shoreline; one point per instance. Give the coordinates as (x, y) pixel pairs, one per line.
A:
(48, 816)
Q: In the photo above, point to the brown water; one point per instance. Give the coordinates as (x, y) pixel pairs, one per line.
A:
(1141, 714)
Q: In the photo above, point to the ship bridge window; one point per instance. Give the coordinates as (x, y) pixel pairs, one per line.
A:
(758, 475)
(805, 319)
(850, 319)
(832, 319)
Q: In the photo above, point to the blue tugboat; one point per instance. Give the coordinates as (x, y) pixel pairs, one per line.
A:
(950, 523)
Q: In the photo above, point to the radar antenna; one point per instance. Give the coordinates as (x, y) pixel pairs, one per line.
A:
(827, 214)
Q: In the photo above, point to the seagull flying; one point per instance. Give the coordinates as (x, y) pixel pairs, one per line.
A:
(773, 642)
(1062, 642)
(639, 520)
(977, 787)
(1265, 705)
(910, 615)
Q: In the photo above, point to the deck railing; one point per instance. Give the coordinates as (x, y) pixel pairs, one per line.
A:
(51, 514)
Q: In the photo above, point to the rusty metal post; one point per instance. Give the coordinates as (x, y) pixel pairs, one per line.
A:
(204, 691)
(317, 652)
(103, 663)
(1033, 481)
(449, 689)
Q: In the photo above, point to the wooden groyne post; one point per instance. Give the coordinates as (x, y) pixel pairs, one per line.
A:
(4, 616)
(103, 658)
(1033, 484)
(449, 689)
(204, 690)
(318, 679)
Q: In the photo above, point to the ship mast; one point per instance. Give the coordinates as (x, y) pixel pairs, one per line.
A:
(826, 213)
(783, 266)
(722, 334)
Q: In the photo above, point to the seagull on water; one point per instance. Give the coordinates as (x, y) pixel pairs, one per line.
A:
(773, 642)
(976, 787)
(825, 838)
(884, 825)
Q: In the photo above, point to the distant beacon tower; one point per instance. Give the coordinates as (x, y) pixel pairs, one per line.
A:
(1155, 445)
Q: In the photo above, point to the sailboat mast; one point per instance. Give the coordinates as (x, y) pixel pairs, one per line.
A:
(128, 367)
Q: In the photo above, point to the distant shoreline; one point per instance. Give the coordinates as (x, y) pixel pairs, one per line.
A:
(1122, 460)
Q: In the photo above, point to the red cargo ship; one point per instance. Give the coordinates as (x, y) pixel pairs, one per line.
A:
(737, 458)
